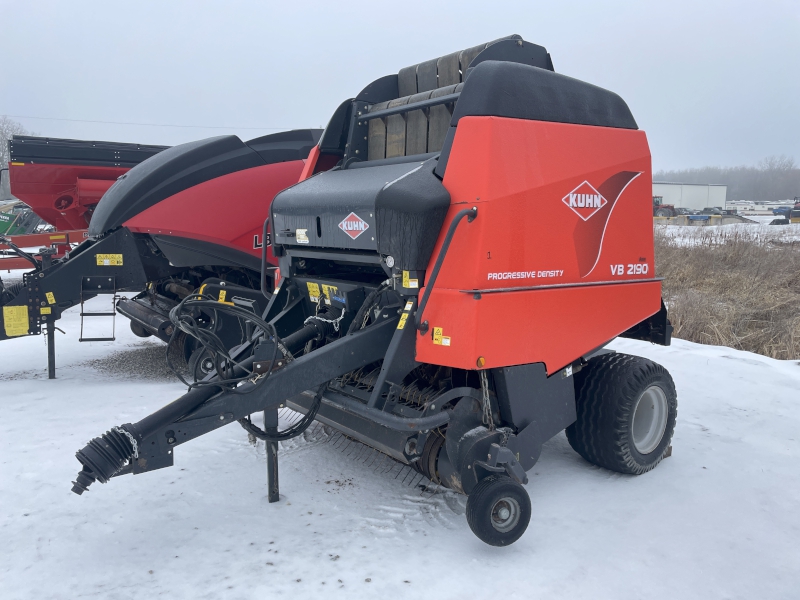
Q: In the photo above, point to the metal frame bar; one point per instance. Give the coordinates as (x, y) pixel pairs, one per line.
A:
(561, 285)
(472, 214)
(54, 238)
(404, 108)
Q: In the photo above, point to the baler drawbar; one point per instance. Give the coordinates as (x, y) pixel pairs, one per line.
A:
(447, 290)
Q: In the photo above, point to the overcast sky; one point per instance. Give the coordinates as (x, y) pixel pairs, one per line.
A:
(711, 82)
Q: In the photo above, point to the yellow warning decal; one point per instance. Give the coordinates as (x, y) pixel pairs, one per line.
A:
(15, 320)
(221, 298)
(57, 237)
(17, 164)
(329, 290)
(404, 316)
(51, 297)
(45, 310)
(439, 339)
(403, 319)
(313, 291)
(109, 260)
(408, 282)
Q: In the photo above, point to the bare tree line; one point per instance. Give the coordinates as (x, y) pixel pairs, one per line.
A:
(8, 128)
(773, 178)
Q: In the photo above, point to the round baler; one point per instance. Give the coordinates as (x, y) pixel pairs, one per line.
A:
(448, 288)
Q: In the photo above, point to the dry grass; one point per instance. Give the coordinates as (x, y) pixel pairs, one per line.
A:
(733, 286)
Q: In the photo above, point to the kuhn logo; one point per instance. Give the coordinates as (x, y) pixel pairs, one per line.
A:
(353, 225)
(585, 200)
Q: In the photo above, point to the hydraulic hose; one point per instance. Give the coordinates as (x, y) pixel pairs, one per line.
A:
(114, 451)
(294, 430)
(183, 320)
(365, 306)
(471, 214)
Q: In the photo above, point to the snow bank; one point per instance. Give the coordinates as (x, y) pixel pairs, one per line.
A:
(718, 519)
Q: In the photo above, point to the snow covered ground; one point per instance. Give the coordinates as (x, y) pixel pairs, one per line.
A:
(784, 234)
(719, 519)
(763, 219)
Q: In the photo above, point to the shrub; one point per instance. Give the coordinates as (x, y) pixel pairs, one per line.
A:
(736, 286)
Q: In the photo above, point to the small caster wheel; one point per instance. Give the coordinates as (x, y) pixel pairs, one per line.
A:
(498, 510)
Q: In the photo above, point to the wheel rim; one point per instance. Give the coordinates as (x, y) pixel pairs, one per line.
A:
(206, 365)
(650, 419)
(203, 365)
(505, 514)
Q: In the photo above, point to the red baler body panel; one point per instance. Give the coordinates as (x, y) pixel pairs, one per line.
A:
(564, 229)
(228, 210)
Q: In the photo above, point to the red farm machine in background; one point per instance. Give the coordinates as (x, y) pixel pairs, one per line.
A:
(183, 217)
(663, 210)
(62, 181)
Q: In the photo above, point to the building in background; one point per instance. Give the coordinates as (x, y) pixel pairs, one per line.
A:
(694, 196)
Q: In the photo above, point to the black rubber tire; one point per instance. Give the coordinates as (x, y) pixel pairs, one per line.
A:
(430, 457)
(139, 331)
(606, 393)
(663, 212)
(482, 501)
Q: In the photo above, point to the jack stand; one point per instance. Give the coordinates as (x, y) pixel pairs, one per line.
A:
(271, 427)
(47, 262)
(51, 350)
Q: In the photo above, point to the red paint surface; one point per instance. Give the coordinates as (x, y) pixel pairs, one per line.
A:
(62, 194)
(54, 238)
(517, 173)
(60, 240)
(229, 210)
(311, 163)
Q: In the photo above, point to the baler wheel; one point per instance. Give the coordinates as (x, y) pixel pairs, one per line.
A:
(498, 510)
(626, 408)
(139, 331)
(201, 363)
(430, 456)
